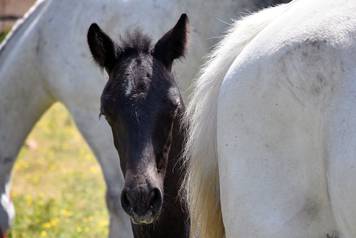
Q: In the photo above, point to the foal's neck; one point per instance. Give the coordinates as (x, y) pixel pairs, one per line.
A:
(174, 219)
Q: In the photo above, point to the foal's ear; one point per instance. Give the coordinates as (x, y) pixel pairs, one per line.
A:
(103, 49)
(174, 43)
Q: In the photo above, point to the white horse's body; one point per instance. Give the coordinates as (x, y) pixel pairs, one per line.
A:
(46, 59)
(278, 120)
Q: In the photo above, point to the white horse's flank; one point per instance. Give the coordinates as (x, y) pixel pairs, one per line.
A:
(273, 126)
(46, 59)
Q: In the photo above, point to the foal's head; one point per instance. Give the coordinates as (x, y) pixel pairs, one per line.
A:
(141, 102)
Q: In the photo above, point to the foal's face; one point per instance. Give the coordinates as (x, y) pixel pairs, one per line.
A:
(141, 102)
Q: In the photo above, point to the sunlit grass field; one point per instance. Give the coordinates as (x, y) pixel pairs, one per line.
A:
(58, 188)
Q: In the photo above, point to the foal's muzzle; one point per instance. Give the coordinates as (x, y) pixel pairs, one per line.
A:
(142, 203)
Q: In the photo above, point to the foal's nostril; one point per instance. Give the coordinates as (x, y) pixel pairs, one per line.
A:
(155, 198)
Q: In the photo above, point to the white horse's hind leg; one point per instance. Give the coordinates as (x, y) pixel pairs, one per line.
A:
(272, 175)
(98, 135)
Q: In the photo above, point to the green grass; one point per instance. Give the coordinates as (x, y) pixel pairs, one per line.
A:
(58, 188)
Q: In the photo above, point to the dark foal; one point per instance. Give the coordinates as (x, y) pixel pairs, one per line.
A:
(143, 106)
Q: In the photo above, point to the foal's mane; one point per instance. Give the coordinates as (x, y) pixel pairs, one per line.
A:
(135, 41)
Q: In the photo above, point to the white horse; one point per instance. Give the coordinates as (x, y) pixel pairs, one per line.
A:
(46, 59)
(273, 118)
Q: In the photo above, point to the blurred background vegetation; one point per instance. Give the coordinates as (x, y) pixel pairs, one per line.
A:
(57, 186)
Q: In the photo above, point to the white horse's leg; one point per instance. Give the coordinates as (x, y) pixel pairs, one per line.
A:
(271, 151)
(341, 148)
(23, 99)
(21, 105)
(98, 135)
